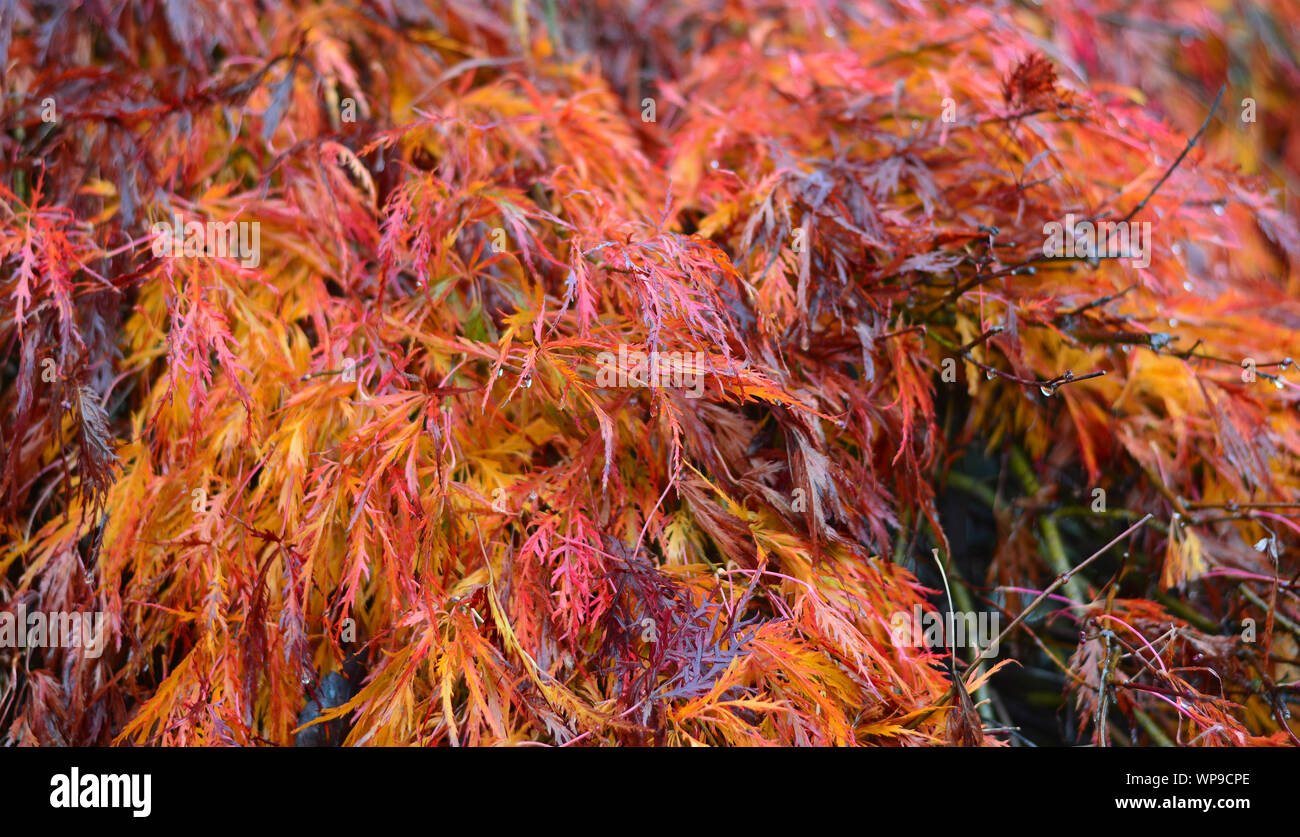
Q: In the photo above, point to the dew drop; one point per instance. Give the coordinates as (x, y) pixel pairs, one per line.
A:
(1173, 322)
(1218, 209)
(1277, 382)
(915, 124)
(988, 376)
(1187, 286)
(1049, 391)
(526, 382)
(713, 164)
(1177, 248)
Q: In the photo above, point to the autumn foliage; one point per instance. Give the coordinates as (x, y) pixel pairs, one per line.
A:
(378, 471)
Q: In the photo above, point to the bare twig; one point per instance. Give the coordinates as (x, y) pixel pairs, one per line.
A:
(1191, 142)
(1064, 577)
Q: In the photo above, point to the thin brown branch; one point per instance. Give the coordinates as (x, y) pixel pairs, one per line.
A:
(1191, 142)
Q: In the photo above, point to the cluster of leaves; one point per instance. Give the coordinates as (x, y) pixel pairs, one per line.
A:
(1179, 53)
(387, 441)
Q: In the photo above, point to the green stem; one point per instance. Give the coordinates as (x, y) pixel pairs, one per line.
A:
(1263, 605)
(973, 487)
(1186, 612)
(1152, 728)
(1051, 540)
